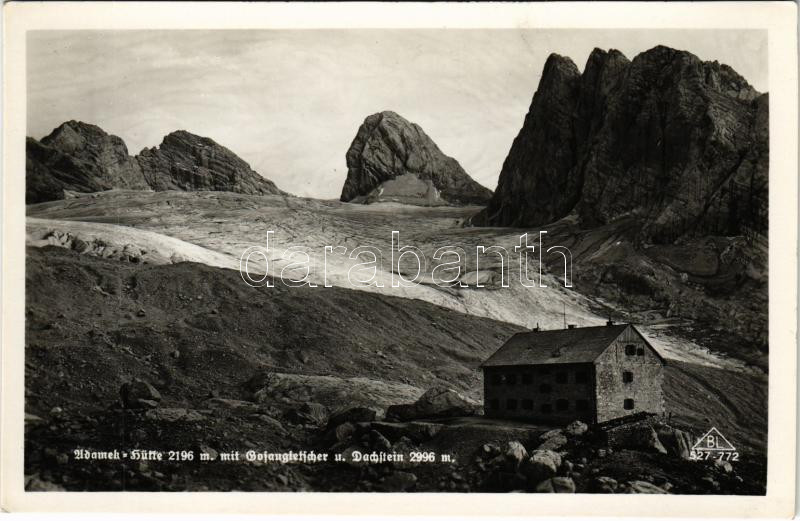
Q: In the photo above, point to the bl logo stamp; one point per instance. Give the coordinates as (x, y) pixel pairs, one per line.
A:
(713, 446)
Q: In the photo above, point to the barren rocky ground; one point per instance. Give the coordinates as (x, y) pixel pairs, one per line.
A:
(208, 346)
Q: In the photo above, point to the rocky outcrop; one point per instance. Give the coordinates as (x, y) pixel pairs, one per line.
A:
(386, 147)
(48, 173)
(92, 145)
(185, 161)
(436, 402)
(79, 157)
(330, 391)
(679, 143)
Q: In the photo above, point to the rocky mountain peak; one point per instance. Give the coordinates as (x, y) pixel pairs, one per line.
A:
(73, 135)
(99, 155)
(388, 146)
(186, 161)
(184, 137)
(667, 138)
(558, 70)
(82, 157)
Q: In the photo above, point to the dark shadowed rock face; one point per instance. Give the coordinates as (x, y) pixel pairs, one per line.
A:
(185, 161)
(80, 157)
(388, 146)
(91, 144)
(48, 172)
(678, 142)
(527, 182)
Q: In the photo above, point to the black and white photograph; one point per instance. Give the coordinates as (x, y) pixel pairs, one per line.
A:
(365, 260)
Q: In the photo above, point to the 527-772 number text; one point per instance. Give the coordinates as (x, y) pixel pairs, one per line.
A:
(728, 455)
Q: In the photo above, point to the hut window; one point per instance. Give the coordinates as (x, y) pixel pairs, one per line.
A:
(527, 378)
(511, 379)
(627, 377)
(511, 404)
(562, 405)
(628, 404)
(494, 404)
(630, 349)
(640, 351)
(547, 408)
(545, 388)
(527, 404)
(497, 379)
(581, 377)
(582, 405)
(561, 377)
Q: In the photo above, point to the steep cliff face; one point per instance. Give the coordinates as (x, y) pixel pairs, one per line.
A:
(679, 143)
(185, 161)
(388, 146)
(527, 182)
(81, 157)
(49, 172)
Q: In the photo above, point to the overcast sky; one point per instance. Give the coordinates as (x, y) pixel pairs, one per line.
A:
(290, 102)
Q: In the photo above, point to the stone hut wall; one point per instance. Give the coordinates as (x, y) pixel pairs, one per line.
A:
(617, 397)
(547, 393)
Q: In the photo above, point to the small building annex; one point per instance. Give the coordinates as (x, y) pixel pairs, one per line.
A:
(592, 374)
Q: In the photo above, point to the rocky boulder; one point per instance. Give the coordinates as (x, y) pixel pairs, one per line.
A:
(414, 431)
(343, 432)
(139, 394)
(724, 466)
(641, 487)
(173, 415)
(310, 413)
(542, 465)
(675, 441)
(557, 485)
(436, 402)
(554, 442)
(393, 159)
(576, 428)
(603, 485)
(352, 415)
(513, 455)
(641, 435)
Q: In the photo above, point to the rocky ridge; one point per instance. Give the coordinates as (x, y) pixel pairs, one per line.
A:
(679, 143)
(389, 147)
(185, 161)
(80, 157)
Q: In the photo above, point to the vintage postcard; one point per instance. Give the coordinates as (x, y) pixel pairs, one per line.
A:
(293, 258)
